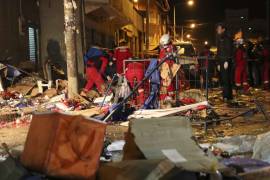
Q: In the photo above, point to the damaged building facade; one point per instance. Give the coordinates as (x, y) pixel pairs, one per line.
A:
(36, 33)
(142, 114)
(103, 19)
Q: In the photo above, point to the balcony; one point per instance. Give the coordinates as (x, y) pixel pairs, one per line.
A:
(120, 12)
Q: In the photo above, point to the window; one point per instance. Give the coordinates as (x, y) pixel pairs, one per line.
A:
(32, 44)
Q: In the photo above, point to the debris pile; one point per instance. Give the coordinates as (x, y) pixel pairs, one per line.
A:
(195, 140)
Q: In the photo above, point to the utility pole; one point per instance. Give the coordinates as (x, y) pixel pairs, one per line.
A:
(70, 8)
(147, 23)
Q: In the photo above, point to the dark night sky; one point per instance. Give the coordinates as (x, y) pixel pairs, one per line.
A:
(210, 12)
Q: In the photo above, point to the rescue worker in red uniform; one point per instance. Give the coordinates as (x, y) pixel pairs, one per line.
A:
(168, 69)
(95, 69)
(266, 65)
(241, 66)
(121, 53)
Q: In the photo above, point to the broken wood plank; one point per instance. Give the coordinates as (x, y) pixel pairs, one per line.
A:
(145, 113)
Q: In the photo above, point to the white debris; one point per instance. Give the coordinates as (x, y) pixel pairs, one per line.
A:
(236, 144)
(261, 149)
(106, 99)
(146, 113)
(57, 98)
(116, 146)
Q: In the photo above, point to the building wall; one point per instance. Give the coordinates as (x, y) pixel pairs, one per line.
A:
(14, 35)
(127, 8)
(9, 33)
(109, 21)
(157, 25)
(99, 33)
(52, 34)
(52, 30)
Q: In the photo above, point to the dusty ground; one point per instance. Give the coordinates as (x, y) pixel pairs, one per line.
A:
(13, 136)
(252, 124)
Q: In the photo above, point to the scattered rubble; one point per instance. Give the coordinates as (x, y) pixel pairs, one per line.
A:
(261, 149)
(138, 144)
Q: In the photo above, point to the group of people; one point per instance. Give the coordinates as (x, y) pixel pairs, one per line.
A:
(243, 64)
(240, 65)
(102, 64)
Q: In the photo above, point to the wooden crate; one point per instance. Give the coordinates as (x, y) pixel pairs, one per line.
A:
(64, 146)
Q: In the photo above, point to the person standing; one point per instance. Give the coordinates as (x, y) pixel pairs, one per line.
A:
(224, 55)
(168, 69)
(241, 66)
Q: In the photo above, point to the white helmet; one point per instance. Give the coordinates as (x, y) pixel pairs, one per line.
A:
(239, 42)
(165, 39)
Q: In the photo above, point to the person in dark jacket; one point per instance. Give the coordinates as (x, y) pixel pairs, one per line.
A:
(224, 56)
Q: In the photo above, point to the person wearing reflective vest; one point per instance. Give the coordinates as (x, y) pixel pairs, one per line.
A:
(168, 69)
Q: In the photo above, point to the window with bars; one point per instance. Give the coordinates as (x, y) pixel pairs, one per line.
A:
(32, 44)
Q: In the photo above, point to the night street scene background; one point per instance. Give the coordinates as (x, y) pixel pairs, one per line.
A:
(134, 90)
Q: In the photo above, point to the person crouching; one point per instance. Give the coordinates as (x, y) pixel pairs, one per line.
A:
(96, 64)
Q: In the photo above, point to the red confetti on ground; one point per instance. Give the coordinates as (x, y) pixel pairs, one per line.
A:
(19, 122)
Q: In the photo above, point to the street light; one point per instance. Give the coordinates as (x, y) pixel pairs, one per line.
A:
(188, 36)
(192, 26)
(205, 42)
(135, 1)
(190, 3)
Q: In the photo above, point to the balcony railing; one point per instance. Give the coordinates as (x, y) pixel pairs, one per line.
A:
(127, 9)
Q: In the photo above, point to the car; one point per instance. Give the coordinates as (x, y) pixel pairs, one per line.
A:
(185, 48)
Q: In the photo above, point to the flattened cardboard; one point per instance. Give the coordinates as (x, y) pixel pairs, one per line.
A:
(172, 135)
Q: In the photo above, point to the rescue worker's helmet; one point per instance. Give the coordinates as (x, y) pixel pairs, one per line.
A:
(239, 42)
(165, 40)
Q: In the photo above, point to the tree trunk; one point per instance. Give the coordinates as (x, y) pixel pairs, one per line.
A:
(70, 42)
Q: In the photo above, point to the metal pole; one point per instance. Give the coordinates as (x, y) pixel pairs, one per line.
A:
(108, 90)
(174, 24)
(177, 98)
(147, 24)
(206, 79)
(182, 33)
